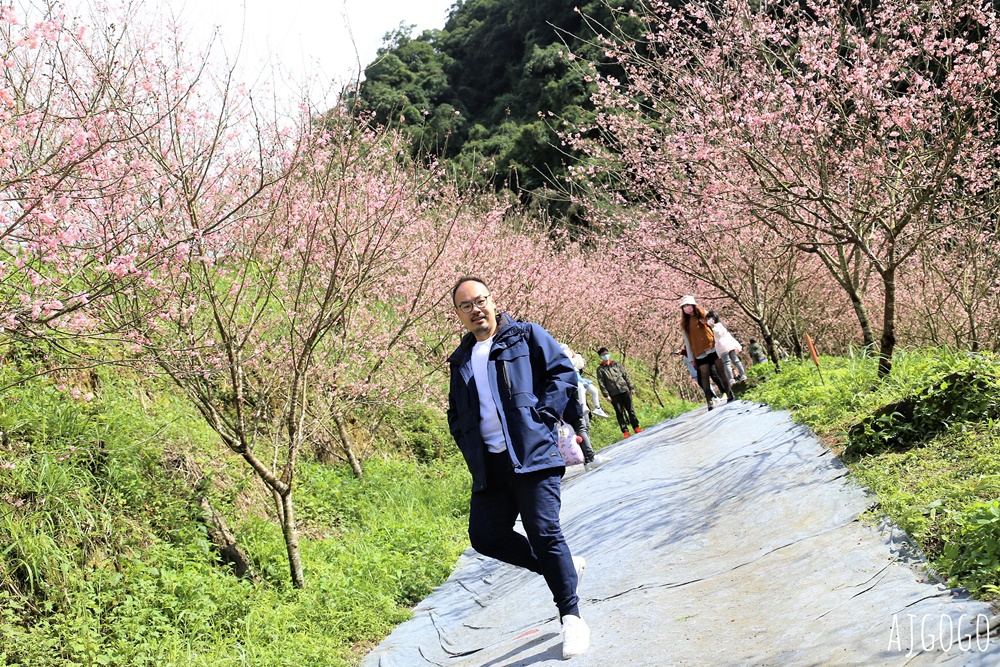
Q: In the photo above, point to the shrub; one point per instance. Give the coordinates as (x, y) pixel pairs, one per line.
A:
(966, 394)
(971, 555)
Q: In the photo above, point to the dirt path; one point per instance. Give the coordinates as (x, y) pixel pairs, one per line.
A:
(723, 538)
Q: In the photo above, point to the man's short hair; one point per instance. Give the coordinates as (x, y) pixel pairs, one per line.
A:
(463, 280)
(601, 350)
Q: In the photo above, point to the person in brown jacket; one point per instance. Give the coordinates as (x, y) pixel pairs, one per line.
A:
(699, 341)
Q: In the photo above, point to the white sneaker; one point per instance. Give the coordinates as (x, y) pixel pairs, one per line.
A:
(598, 461)
(599, 412)
(575, 636)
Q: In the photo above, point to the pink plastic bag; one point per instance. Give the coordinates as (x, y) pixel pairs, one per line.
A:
(569, 446)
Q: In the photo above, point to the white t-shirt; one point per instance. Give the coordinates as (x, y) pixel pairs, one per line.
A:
(489, 424)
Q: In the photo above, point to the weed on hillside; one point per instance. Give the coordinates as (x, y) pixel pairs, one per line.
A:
(104, 559)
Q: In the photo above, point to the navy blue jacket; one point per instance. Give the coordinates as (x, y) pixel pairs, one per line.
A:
(532, 381)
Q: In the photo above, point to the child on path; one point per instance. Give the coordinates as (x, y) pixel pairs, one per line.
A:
(727, 347)
(587, 387)
(617, 387)
(581, 424)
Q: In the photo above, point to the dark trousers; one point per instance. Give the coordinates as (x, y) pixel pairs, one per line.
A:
(582, 428)
(535, 496)
(624, 411)
(716, 379)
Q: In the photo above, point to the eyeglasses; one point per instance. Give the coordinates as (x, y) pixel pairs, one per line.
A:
(479, 302)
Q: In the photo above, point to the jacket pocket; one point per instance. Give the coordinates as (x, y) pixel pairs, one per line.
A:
(514, 376)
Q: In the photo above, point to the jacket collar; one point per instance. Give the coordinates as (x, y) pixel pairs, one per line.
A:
(505, 328)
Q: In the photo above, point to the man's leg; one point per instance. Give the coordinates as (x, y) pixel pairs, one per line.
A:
(616, 401)
(583, 430)
(492, 513)
(538, 495)
(630, 411)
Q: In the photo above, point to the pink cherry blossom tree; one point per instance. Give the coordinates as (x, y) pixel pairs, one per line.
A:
(286, 320)
(954, 293)
(109, 131)
(845, 127)
(387, 347)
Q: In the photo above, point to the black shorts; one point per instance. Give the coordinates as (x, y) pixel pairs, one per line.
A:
(709, 358)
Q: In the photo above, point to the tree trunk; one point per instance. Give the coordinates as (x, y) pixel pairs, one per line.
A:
(225, 544)
(656, 375)
(291, 534)
(868, 337)
(796, 343)
(765, 334)
(278, 507)
(973, 330)
(841, 271)
(656, 381)
(345, 441)
(888, 342)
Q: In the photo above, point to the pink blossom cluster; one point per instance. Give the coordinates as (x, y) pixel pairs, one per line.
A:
(812, 166)
(76, 393)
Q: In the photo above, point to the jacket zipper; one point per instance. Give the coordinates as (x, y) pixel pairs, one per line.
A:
(510, 396)
(506, 377)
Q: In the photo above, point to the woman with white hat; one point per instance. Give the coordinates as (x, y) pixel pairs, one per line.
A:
(699, 341)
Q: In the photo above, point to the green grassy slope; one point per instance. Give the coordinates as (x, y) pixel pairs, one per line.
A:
(926, 442)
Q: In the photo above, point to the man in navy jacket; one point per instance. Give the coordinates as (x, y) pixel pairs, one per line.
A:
(510, 385)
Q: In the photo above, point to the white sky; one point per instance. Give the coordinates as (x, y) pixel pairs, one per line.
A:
(328, 39)
(301, 33)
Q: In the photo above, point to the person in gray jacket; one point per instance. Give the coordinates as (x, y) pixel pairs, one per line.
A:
(617, 387)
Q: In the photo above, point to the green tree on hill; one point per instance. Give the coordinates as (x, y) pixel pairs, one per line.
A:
(490, 91)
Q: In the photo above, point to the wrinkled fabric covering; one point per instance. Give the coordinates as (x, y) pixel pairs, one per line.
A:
(723, 538)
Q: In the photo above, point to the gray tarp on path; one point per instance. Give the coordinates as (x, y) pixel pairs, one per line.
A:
(723, 538)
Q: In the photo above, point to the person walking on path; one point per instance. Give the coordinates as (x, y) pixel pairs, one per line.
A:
(693, 372)
(617, 387)
(582, 424)
(511, 384)
(727, 347)
(699, 341)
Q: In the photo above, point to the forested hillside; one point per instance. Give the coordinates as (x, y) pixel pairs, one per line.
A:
(490, 90)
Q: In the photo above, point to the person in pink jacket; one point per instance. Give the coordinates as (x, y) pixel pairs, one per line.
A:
(727, 347)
